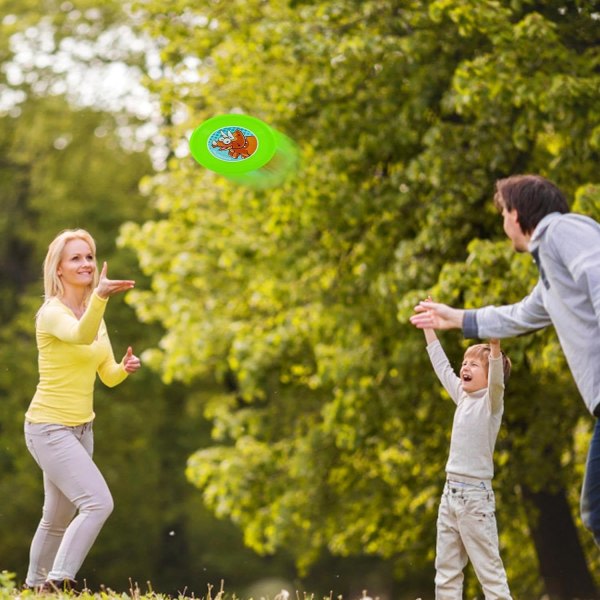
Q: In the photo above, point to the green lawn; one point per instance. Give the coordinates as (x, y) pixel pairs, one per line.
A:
(10, 591)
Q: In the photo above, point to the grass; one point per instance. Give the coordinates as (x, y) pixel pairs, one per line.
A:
(10, 591)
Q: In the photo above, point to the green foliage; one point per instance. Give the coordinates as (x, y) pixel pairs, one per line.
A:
(7, 582)
(144, 430)
(331, 432)
(64, 166)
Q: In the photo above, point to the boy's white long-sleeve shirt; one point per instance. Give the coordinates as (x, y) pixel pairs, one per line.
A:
(477, 417)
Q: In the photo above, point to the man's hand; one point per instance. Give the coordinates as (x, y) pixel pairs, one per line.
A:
(433, 315)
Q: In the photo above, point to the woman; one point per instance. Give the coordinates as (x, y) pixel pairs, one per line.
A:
(73, 345)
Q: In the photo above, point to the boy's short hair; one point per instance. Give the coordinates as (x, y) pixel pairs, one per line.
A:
(533, 196)
(482, 352)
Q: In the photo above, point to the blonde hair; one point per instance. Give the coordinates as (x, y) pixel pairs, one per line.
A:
(482, 352)
(53, 285)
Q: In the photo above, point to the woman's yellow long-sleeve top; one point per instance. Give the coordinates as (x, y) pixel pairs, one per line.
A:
(70, 353)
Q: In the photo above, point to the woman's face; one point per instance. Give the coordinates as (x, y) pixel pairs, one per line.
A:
(77, 264)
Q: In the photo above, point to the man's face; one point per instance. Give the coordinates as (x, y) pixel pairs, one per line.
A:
(513, 229)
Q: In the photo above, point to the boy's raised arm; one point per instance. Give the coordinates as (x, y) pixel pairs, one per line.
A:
(495, 348)
(430, 335)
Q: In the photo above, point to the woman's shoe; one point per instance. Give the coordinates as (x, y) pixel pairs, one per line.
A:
(59, 585)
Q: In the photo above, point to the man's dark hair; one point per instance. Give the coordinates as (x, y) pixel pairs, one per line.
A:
(533, 196)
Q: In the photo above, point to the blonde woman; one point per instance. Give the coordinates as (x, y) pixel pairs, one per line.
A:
(73, 345)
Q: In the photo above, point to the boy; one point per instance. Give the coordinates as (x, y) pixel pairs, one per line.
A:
(466, 526)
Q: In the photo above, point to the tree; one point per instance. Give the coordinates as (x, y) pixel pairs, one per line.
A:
(330, 432)
(64, 165)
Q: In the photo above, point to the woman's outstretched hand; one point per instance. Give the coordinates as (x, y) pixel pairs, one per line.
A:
(108, 287)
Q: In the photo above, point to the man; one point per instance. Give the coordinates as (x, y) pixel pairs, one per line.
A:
(566, 249)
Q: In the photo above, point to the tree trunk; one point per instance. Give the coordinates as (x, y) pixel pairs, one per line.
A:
(173, 557)
(563, 565)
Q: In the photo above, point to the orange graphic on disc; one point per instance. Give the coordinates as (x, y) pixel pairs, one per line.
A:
(236, 143)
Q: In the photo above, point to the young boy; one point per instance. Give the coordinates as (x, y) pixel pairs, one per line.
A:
(466, 526)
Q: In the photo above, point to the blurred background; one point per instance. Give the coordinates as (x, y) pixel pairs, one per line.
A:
(287, 430)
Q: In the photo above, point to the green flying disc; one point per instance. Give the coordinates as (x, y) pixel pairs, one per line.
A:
(233, 144)
(244, 149)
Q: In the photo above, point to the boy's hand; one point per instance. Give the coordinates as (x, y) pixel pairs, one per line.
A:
(430, 335)
(495, 348)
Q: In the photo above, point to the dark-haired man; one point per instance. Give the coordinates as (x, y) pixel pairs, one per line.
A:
(566, 250)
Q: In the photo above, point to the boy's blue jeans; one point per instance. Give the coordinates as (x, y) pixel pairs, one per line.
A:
(590, 495)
